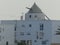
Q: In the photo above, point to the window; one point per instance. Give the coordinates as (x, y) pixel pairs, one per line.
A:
(7, 43)
(41, 34)
(35, 40)
(35, 16)
(29, 42)
(29, 16)
(30, 25)
(37, 35)
(15, 28)
(21, 33)
(44, 42)
(41, 26)
(25, 42)
(28, 34)
(22, 42)
(58, 31)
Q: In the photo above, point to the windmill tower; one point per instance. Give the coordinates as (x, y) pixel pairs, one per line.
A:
(35, 13)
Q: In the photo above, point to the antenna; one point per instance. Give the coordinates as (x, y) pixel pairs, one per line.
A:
(28, 8)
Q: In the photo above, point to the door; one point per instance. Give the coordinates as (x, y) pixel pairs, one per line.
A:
(6, 42)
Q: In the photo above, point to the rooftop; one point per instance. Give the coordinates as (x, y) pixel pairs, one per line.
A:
(35, 9)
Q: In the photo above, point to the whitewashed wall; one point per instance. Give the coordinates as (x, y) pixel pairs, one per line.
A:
(39, 16)
(7, 34)
(33, 30)
(55, 26)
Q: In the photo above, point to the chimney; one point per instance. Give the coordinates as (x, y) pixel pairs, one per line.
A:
(21, 17)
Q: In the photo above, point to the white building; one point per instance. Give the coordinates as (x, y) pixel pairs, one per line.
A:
(36, 29)
(7, 34)
(56, 32)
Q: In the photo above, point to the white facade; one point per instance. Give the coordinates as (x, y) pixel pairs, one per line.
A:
(34, 16)
(25, 32)
(7, 34)
(35, 29)
(55, 30)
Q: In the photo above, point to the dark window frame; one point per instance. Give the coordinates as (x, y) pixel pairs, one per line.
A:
(41, 26)
(30, 16)
(35, 16)
(30, 25)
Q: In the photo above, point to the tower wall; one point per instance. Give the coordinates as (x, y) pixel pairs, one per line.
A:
(34, 16)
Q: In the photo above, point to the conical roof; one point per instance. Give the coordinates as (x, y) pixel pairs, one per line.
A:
(34, 9)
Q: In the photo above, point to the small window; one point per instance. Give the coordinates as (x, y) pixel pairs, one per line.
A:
(15, 28)
(35, 16)
(44, 42)
(30, 25)
(58, 31)
(29, 16)
(41, 26)
(28, 34)
(35, 40)
(7, 43)
(41, 35)
(37, 35)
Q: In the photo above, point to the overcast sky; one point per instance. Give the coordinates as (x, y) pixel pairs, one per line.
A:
(13, 9)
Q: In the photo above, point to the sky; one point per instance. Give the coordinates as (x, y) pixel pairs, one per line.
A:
(13, 9)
